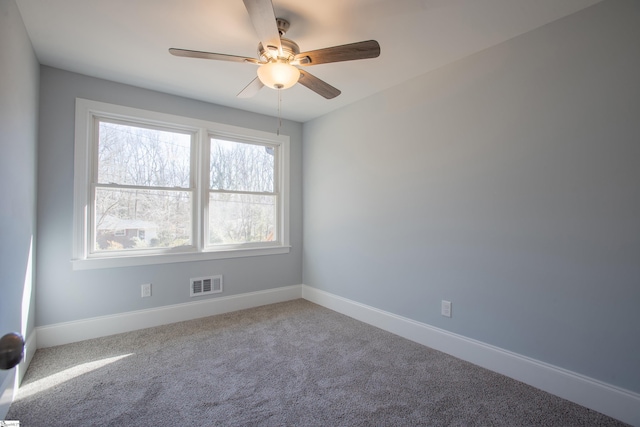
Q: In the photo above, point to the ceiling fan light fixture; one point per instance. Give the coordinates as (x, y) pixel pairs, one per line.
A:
(278, 75)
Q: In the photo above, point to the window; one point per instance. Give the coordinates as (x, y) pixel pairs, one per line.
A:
(142, 180)
(154, 188)
(242, 196)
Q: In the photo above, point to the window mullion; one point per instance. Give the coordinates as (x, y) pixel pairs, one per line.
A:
(251, 193)
(203, 187)
(143, 187)
(93, 173)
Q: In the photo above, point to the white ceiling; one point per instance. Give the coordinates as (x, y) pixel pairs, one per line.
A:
(127, 41)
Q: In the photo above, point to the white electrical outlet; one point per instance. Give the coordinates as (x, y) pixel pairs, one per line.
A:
(145, 290)
(446, 308)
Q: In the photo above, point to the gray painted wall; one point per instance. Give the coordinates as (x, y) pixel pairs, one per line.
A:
(18, 139)
(65, 294)
(507, 183)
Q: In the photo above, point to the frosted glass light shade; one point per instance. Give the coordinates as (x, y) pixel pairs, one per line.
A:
(278, 75)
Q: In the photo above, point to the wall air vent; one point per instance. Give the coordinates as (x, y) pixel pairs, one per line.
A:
(205, 286)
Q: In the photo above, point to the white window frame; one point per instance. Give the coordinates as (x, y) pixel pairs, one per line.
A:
(87, 111)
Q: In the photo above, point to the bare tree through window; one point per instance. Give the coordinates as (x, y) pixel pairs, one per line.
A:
(144, 189)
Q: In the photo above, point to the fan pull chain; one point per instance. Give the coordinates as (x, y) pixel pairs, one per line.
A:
(279, 111)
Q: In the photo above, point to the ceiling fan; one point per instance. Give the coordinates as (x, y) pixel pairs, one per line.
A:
(278, 57)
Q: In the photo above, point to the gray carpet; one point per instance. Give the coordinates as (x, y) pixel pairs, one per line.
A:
(292, 363)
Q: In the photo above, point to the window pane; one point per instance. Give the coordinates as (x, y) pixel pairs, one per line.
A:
(241, 218)
(239, 166)
(142, 219)
(131, 155)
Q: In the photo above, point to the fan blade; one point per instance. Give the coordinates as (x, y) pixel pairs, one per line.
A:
(209, 55)
(251, 89)
(346, 52)
(318, 86)
(263, 19)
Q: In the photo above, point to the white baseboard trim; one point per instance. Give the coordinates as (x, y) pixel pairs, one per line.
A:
(95, 327)
(610, 400)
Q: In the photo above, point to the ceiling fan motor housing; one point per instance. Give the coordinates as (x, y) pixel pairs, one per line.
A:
(289, 50)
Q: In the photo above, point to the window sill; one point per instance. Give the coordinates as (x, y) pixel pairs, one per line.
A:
(132, 261)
